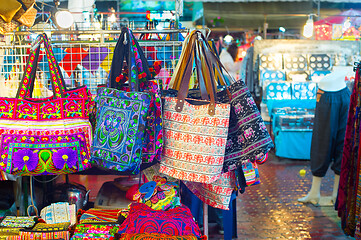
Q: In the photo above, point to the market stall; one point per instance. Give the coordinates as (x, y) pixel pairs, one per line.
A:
(289, 71)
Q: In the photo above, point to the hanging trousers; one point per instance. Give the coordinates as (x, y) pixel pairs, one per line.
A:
(329, 131)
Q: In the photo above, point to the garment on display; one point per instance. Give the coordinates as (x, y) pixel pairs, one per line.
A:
(348, 191)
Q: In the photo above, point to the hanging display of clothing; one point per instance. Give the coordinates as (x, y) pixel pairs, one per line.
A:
(349, 198)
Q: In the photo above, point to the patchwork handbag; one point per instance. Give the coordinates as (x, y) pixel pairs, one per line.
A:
(195, 131)
(122, 116)
(174, 222)
(45, 136)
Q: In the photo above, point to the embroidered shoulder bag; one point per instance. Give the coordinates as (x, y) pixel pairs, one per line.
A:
(122, 115)
(45, 136)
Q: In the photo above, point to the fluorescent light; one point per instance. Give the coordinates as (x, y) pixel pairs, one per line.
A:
(64, 19)
(282, 29)
(228, 39)
(308, 28)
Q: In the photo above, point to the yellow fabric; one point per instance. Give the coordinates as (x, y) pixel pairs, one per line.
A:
(107, 62)
(8, 9)
(28, 18)
(8, 27)
(28, 3)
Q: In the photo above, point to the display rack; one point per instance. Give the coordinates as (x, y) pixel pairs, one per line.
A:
(83, 63)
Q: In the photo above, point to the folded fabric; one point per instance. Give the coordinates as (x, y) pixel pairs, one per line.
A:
(44, 227)
(149, 236)
(9, 231)
(65, 235)
(60, 212)
(95, 231)
(100, 215)
(17, 222)
(174, 222)
(8, 9)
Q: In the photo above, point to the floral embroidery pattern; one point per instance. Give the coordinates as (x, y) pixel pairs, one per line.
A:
(32, 151)
(64, 157)
(111, 129)
(26, 158)
(119, 134)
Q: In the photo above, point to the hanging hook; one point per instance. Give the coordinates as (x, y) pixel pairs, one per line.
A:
(356, 66)
(125, 42)
(209, 32)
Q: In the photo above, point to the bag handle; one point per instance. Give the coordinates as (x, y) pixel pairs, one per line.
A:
(206, 67)
(179, 69)
(128, 47)
(56, 76)
(184, 82)
(26, 85)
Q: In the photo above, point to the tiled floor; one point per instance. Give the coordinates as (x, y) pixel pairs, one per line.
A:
(270, 210)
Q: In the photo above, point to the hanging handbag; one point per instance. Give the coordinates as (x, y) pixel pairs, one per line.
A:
(248, 138)
(195, 131)
(122, 115)
(218, 193)
(153, 136)
(45, 136)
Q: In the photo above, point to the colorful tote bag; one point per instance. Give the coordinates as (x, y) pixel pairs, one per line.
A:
(121, 116)
(45, 136)
(174, 222)
(194, 135)
(153, 136)
(216, 194)
(158, 194)
(248, 138)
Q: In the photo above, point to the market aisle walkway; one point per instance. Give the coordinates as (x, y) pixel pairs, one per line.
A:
(270, 210)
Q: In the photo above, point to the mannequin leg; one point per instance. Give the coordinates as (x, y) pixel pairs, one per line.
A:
(335, 187)
(330, 200)
(313, 195)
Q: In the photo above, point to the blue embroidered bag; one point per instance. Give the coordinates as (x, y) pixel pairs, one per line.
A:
(121, 115)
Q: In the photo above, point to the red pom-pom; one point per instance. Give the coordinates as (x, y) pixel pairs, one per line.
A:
(144, 75)
(121, 77)
(131, 192)
(140, 76)
(117, 79)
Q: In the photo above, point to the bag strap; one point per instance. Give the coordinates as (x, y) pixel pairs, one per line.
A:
(207, 67)
(184, 82)
(26, 85)
(176, 76)
(128, 48)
